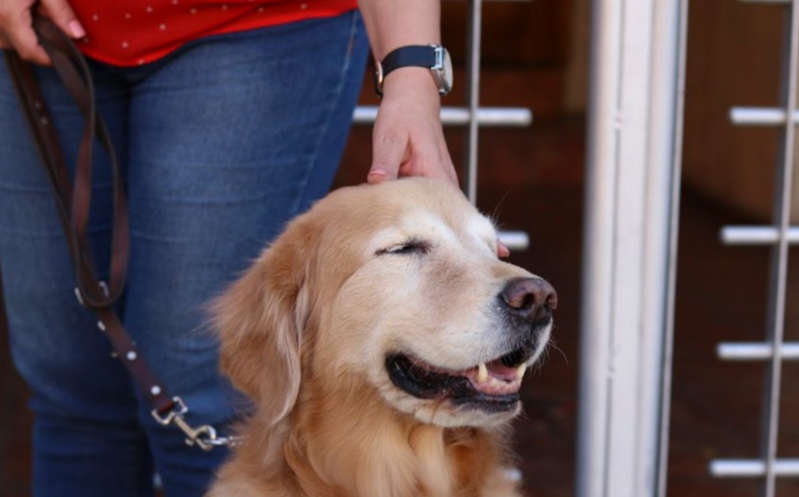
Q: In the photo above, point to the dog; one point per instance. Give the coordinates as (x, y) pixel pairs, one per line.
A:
(383, 343)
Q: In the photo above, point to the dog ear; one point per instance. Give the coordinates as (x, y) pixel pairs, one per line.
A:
(260, 319)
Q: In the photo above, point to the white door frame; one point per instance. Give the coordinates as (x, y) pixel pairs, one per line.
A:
(630, 243)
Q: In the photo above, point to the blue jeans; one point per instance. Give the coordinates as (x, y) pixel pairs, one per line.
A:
(221, 143)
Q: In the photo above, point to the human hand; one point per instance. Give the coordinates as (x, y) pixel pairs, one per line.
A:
(407, 139)
(16, 26)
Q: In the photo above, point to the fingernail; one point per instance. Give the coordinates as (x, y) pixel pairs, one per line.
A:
(376, 175)
(502, 250)
(76, 29)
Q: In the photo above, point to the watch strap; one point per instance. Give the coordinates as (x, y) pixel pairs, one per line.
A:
(409, 55)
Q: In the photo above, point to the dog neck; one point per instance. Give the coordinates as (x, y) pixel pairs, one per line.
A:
(352, 444)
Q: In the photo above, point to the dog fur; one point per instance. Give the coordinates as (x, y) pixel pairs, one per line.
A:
(305, 332)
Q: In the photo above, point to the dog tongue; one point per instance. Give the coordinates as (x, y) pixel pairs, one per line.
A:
(501, 371)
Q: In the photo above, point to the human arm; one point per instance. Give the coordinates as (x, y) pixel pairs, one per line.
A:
(407, 138)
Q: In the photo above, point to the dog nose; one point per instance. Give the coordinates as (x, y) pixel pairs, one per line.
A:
(532, 299)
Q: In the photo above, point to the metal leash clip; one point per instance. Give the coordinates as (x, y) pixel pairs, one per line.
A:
(203, 436)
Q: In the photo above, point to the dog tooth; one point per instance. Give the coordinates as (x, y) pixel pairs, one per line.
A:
(482, 373)
(520, 371)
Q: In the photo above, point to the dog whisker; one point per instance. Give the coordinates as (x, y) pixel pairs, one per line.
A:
(554, 345)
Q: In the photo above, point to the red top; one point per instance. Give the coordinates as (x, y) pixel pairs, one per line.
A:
(134, 32)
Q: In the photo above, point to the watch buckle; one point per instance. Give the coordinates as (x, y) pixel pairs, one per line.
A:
(439, 64)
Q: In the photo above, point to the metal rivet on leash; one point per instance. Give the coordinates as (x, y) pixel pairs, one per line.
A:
(78, 295)
(131, 355)
(155, 390)
(101, 325)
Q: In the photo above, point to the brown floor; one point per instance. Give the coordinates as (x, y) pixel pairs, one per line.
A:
(532, 180)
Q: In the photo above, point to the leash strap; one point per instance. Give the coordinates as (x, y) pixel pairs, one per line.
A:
(73, 201)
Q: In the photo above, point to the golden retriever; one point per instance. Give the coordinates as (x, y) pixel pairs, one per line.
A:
(383, 343)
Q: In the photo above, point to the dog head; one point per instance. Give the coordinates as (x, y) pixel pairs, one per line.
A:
(395, 288)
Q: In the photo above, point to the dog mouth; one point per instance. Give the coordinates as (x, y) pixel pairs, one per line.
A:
(491, 386)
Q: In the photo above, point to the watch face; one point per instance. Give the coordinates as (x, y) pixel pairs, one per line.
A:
(379, 78)
(442, 70)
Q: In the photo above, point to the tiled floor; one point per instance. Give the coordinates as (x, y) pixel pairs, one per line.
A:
(532, 180)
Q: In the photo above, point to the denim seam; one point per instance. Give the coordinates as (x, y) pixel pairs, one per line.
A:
(46, 189)
(333, 103)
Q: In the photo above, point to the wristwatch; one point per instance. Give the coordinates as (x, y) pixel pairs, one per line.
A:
(434, 57)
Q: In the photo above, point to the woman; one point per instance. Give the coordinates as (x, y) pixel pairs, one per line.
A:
(229, 119)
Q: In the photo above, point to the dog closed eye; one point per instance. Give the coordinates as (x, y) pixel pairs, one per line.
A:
(412, 246)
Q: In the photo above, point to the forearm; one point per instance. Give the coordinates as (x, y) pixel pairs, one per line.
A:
(394, 23)
(407, 136)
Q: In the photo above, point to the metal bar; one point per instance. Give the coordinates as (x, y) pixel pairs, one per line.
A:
(760, 116)
(749, 468)
(633, 118)
(459, 116)
(782, 2)
(681, 24)
(473, 96)
(755, 235)
(514, 240)
(779, 258)
(755, 351)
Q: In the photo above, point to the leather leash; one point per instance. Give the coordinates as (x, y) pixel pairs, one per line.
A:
(73, 202)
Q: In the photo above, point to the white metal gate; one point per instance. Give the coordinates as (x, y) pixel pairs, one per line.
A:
(779, 235)
(635, 127)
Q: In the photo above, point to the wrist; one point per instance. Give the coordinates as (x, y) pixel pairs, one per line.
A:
(413, 80)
